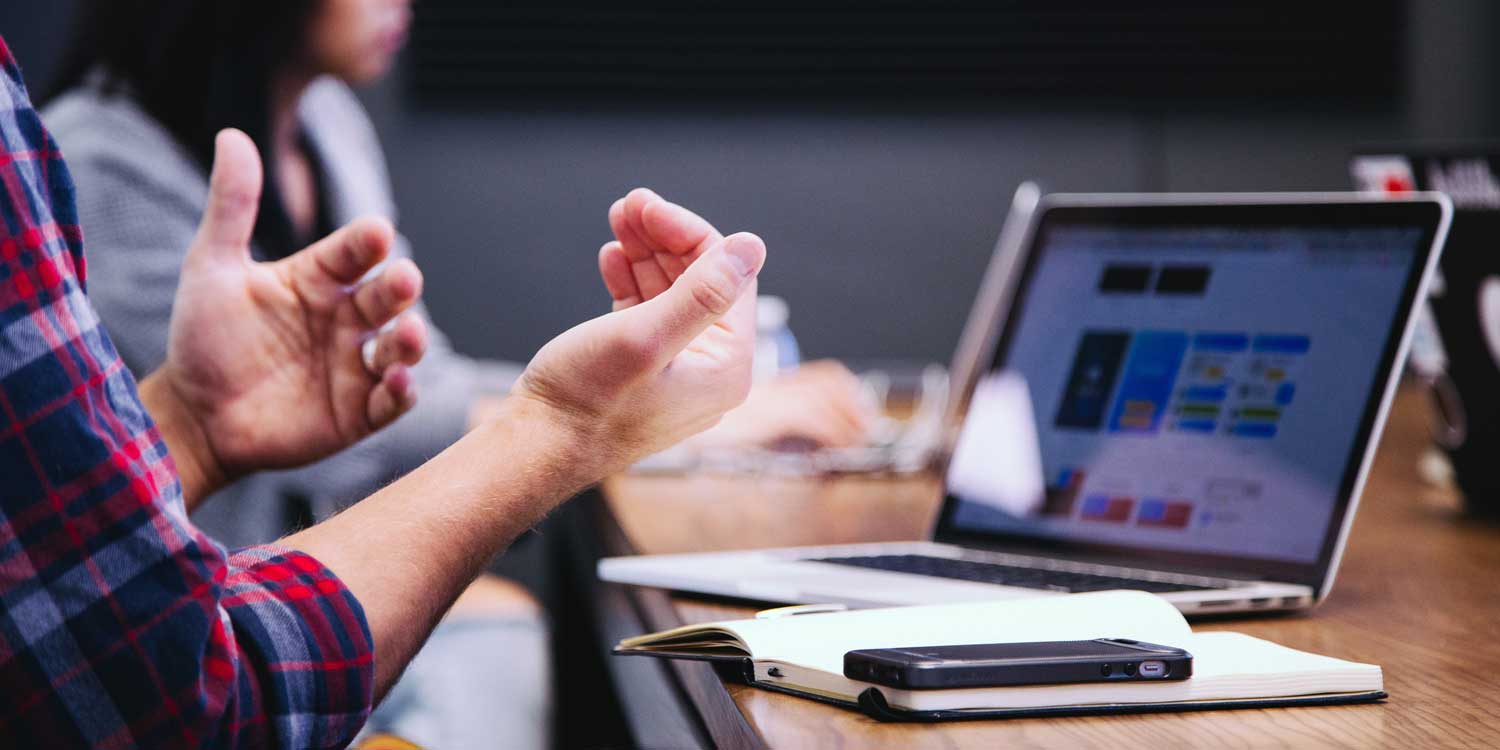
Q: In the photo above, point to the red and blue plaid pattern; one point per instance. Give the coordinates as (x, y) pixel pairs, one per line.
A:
(122, 625)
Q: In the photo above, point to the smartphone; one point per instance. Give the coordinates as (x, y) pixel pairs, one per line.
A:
(1004, 664)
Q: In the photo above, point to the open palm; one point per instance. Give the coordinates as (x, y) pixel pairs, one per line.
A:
(268, 356)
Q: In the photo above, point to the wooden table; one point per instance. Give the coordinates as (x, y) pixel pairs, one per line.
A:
(1418, 593)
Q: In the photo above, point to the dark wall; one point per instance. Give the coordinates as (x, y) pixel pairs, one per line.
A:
(34, 30)
(879, 220)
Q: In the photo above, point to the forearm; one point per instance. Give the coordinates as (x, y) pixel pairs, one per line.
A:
(409, 550)
(197, 467)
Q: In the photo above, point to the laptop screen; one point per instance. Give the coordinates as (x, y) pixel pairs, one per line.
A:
(1199, 388)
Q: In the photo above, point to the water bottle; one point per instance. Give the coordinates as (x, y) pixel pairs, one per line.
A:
(775, 346)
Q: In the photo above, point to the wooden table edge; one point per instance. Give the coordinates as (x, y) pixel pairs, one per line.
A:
(703, 686)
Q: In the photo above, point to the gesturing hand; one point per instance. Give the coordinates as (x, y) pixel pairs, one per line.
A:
(675, 353)
(655, 242)
(264, 366)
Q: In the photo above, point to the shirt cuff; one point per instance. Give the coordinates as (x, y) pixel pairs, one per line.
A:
(310, 632)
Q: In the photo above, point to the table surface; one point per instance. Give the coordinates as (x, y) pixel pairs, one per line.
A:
(1418, 594)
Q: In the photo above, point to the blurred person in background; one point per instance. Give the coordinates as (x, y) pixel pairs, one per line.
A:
(142, 91)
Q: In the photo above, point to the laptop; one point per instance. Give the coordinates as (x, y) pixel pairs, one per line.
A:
(1179, 394)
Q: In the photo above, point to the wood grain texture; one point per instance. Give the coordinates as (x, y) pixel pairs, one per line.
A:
(1418, 593)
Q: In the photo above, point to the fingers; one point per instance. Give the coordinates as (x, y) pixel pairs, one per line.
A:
(712, 289)
(847, 395)
(672, 265)
(624, 222)
(645, 275)
(676, 229)
(840, 389)
(614, 268)
(658, 238)
(650, 278)
(848, 424)
(344, 257)
(825, 432)
(394, 290)
(393, 396)
(404, 344)
(835, 425)
(233, 198)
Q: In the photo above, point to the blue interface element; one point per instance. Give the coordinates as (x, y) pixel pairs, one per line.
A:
(1284, 393)
(1213, 393)
(1282, 344)
(1150, 372)
(1196, 425)
(1221, 342)
(1255, 429)
(1152, 509)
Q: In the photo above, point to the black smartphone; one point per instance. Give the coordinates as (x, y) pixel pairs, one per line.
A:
(1004, 664)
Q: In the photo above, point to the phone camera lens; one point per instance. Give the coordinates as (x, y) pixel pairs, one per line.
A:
(1130, 668)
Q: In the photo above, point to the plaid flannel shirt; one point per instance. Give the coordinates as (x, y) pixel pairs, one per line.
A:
(121, 625)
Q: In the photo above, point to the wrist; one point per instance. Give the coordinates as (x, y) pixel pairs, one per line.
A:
(563, 447)
(484, 409)
(198, 467)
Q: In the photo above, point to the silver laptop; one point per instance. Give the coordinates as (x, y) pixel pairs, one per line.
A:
(1180, 394)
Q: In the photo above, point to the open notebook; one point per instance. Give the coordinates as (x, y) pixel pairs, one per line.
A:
(804, 654)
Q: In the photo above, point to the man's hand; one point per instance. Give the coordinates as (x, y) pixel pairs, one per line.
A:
(675, 353)
(264, 360)
(819, 403)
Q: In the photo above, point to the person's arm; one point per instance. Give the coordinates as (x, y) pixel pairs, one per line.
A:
(661, 368)
(263, 364)
(139, 230)
(408, 550)
(125, 626)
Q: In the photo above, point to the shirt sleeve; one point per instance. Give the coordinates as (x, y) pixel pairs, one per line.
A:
(122, 625)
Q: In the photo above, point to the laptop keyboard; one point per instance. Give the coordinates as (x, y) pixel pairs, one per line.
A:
(1007, 575)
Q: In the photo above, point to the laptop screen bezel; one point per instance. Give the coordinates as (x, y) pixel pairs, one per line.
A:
(1217, 211)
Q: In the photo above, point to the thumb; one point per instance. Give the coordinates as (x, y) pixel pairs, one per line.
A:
(233, 197)
(709, 290)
